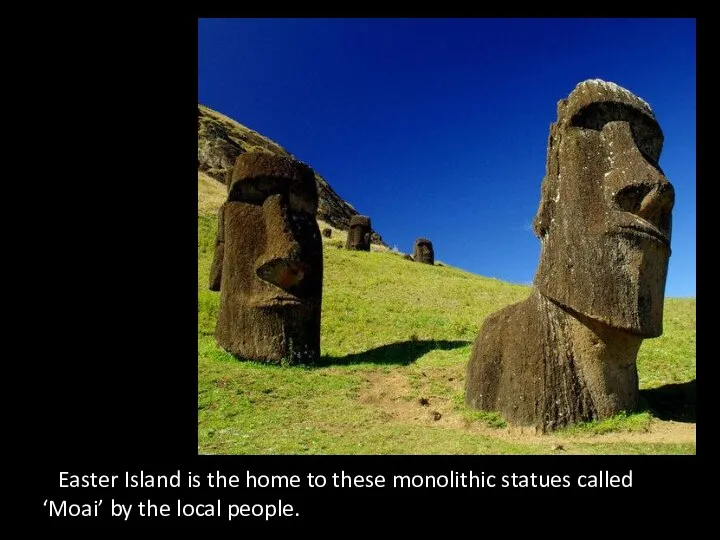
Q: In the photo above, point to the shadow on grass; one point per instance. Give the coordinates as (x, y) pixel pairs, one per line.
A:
(401, 354)
(672, 402)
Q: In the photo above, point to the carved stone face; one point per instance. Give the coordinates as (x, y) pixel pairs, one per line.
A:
(423, 251)
(359, 233)
(605, 214)
(272, 269)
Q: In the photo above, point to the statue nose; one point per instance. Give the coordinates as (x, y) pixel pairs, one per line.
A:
(280, 263)
(634, 184)
(650, 201)
(282, 272)
(657, 203)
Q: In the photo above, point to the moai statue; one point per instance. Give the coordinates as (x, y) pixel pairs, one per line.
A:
(423, 251)
(358, 237)
(268, 263)
(567, 354)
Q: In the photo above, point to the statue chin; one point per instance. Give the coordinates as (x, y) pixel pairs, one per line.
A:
(620, 283)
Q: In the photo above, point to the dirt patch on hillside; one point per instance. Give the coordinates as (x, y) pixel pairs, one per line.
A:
(658, 432)
(393, 395)
(394, 398)
(403, 397)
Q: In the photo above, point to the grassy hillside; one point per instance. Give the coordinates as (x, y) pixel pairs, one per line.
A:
(395, 341)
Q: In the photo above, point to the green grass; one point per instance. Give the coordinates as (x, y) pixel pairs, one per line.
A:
(638, 422)
(395, 341)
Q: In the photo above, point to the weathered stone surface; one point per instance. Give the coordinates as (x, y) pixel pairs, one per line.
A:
(423, 251)
(219, 255)
(221, 140)
(269, 256)
(568, 353)
(358, 237)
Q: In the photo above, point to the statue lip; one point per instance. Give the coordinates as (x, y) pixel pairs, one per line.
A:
(278, 301)
(643, 228)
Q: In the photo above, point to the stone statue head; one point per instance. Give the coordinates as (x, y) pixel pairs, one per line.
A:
(271, 286)
(358, 237)
(423, 251)
(604, 218)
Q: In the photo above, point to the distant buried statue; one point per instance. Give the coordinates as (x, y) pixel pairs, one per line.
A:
(567, 353)
(423, 251)
(359, 235)
(268, 263)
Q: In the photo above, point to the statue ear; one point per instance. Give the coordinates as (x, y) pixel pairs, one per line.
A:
(546, 210)
(549, 187)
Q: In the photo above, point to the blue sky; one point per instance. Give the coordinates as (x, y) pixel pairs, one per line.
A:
(438, 128)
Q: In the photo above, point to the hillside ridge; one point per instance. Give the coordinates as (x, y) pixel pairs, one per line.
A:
(222, 139)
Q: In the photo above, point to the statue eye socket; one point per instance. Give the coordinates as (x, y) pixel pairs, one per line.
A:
(302, 205)
(256, 190)
(646, 131)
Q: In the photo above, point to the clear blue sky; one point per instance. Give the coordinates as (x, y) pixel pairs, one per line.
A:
(438, 127)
